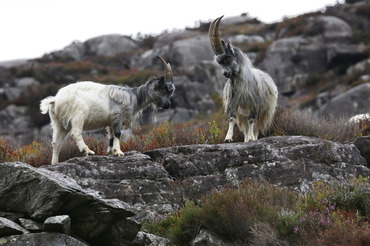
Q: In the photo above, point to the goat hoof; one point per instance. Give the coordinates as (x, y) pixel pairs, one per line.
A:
(90, 153)
(228, 140)
(119, 153)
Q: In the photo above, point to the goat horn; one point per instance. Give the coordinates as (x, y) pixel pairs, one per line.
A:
(214, 37)
(168, 76)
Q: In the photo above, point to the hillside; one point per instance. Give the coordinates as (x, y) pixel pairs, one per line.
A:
(319, 61)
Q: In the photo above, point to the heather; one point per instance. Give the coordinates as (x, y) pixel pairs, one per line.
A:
(332, 213)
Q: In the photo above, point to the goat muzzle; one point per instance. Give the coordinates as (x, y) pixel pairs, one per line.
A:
(214, 37)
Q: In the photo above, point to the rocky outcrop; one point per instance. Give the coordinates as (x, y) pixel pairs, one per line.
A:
(139, 186)
(160, 180)
(39, 194)
(324, 46)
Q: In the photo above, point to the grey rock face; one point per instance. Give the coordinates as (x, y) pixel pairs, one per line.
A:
(31, 225)
(110, 45)
(300, 55)
(333, 27)
(60, 223)
(41, 239)
(182, 54)
(39, 194)
(363, 144)
(355, 101)
(8, 227)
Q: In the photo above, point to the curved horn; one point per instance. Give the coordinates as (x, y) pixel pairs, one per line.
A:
(168, 76)
(214, 37)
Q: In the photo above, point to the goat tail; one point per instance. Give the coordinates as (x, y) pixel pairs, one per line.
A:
(46, 104)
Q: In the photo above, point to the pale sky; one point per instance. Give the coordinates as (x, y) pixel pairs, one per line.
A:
(31, 28)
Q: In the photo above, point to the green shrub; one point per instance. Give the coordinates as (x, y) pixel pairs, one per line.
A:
(181, 227)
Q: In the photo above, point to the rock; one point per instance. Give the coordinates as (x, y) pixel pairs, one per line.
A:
(182, 54)
(8, 227)
(146, 239)
(161, 180)
(31, 225)
(76, 51)
(41, 239)
(354, 101)
(359, 68)
(60, 223)
(133, 178)
(288, 57)
(234, 20)
(14, 120)
(170, 37)
(107, 45)
(249, 39)
(26, 82)
(363, 145)
(12, 93)
(288, 161)
(11, 216)
(110, 45)
(207, 238)
(210, 74)
(295, 55)
(333, 27)
(39, 194)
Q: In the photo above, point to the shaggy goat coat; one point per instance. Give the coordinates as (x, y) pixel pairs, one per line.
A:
(89, 106)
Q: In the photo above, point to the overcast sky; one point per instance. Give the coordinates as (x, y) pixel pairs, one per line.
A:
(31, 28)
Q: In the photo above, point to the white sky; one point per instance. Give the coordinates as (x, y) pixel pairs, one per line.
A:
(31, 28)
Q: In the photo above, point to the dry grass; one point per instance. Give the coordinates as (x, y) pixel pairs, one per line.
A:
(304, 123)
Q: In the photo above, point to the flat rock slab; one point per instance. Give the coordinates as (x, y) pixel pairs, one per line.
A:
(8, 227)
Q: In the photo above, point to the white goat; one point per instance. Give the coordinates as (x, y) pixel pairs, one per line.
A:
(89, 105)
(250, 95)
(358, 118)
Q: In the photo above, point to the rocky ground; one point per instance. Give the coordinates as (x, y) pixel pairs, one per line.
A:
(101, 200)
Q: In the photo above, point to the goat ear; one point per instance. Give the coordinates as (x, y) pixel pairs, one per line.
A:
(229, 48)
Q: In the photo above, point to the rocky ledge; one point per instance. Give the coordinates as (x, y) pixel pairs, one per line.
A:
(99, 200)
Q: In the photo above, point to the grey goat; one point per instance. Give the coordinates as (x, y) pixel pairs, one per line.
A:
(250, 95)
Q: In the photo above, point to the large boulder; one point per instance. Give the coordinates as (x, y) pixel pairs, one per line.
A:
(182, 54)
(110, 45)
(107, 45)
(354, 101)
(39, 194)
(332, 27)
